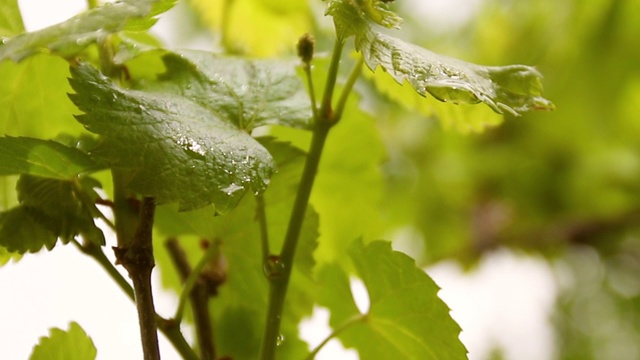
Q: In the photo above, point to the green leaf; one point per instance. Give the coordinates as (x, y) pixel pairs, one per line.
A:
(68, 38)
(351, 15)
(46, 158)
(512, 89)
(10, 19)
(186, 137)
(243, 297)
(6, 256)
(405, 320)
(33, 98)
(73, 344)
(249, 93)
(49, 209)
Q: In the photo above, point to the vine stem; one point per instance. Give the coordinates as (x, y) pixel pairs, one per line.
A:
(167, 327)
(324, 120)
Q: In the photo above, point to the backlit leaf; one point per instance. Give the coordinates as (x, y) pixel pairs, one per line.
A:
(185, 138)
(73, 344)
(69, 37)
(512, 89)
(405, 319)
(10, 19)
(46, 158)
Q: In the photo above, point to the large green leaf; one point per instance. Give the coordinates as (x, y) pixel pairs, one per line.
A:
(505, 89)
(185, 137)
(405, 319)
(243, 297)
(73, 35)
(50, 209)
(10, 19)
(46, 158)
(73, 344)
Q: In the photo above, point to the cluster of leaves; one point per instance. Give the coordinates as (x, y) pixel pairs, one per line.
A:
(179, 126)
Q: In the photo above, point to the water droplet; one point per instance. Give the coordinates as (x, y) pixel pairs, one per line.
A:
(229, 190)
(4, 40)
(280, 340)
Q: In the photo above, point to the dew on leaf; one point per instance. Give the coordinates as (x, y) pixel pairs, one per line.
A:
(233, 188)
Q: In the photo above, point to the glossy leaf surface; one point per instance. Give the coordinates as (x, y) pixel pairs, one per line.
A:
(185, 138)
(73, 35)
(507, 89)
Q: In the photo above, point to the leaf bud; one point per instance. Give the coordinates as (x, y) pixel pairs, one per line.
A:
(306, 45)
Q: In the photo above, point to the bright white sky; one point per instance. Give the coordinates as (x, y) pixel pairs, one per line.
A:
(506, 301)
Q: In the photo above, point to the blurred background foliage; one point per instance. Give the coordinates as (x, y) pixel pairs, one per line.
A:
(564, 185)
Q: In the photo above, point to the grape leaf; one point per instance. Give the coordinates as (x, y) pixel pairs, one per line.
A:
(73, 344)
(186, 138)
(405, 320)
(44, 158)
(243, 297)
(33, 99)
(512, 89)
(49, 209)
(275, 24)
(69, 37)
(10, 19)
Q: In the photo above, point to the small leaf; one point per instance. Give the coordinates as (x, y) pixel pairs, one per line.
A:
(68, 38)
(406, 319)
(49, 209)
(46, 158)
(73, 344)
(376, 11)
(186, 138)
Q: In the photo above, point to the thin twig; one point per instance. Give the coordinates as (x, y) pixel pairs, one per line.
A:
(199, 296)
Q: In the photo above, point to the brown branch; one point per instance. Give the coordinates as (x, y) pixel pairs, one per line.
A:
(138, 260)
(199, 298)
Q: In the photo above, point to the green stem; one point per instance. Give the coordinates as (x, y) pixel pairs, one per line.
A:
(347, 324)
(348, 86)
(261, 216)
(193, 278)
(199, 302)
(96, 253)
(326, 112)
(279, 281)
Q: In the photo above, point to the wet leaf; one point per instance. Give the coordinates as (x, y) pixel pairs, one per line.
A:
(185, 138)
(69, 37)
(512, 89)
